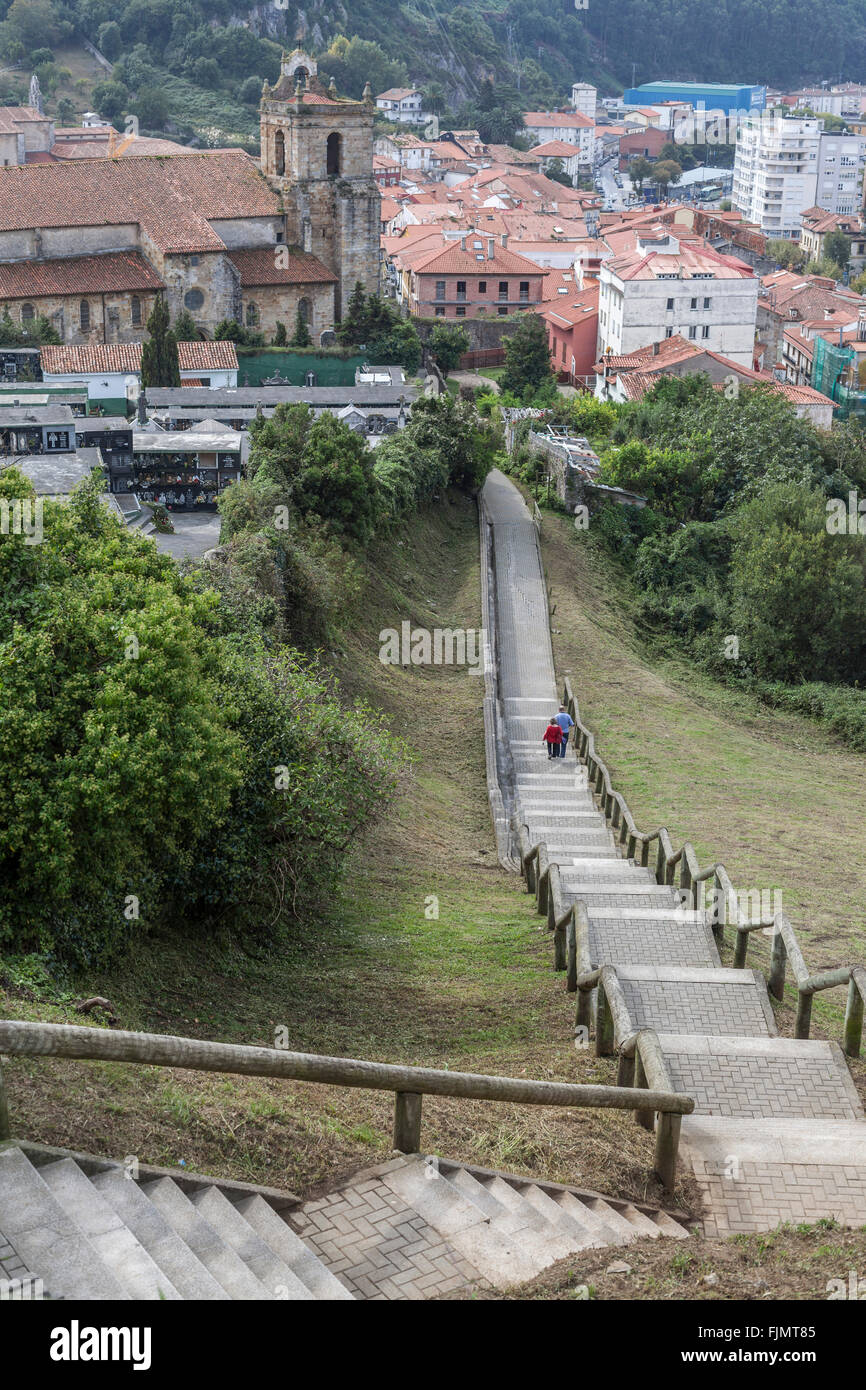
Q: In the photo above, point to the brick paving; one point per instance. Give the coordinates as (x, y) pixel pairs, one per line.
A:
(632, 929)
(378, 1247)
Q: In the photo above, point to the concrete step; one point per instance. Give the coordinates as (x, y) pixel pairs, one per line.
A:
(47, 1238)
(225, 1266)
(624, 937)
(287, 1244)
(592, 1217)
(110, 1237)
(540, 1239)
(166, 1248)
(499, 1258)
(643, 1225)
(752, 1077)
(257, 1255)
(561, 1219)
(681, 999)
(611, 1216)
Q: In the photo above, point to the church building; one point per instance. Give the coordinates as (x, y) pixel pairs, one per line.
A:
(90, 243)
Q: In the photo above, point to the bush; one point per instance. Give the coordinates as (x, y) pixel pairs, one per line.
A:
(840, 708)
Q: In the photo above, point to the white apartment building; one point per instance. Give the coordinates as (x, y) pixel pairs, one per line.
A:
(584, 99)
(570, 127)
(402, 104)
(667, 285)
(784, 165)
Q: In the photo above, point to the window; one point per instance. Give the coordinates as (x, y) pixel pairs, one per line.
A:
(440, 289)
(440, 313)
(503, 289)
(694, 304)
(193, 260)
(28, 313)
(706, 303)
(193, 299)
(252, 315)
(335, 150)
(461, 289)
(305, 309)
(503, 309)
(461, 311)
(670, 303)
(563, 349)
(135, 309)
(705, 331)
(693, 332)
(524, 290)
(669, 332)
(482, 286)
(84, 315)
(279, 153)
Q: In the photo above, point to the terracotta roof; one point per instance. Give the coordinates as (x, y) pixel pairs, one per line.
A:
(577, 307)
(259, 267)
(397, 93)
(688, 261)
(171, 197)
(116, 271)
(541, 119)
(126, 357)
(11, 117)
(553, 149)
(452, 260)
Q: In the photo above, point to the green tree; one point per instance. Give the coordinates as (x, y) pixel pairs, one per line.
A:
(666, 172)
(448, 344)
(354, 327)
(639, 170)
(786, 254)
(159, 361)
(111, 99)
(527, 357)
(185, 330)
(556, 171)
(280, 335)
(66, 113)
(250, 92)
(301, 336)
(32, 23)
(151, 107)
(837, 248)
(109, 40)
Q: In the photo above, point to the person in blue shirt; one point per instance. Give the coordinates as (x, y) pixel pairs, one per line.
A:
(566, 724)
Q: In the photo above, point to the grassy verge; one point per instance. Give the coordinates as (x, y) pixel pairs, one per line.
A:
(470, 989)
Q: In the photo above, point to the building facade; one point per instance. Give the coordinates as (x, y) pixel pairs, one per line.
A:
(787, 165)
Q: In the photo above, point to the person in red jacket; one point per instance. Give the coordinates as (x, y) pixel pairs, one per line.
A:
(552, 736)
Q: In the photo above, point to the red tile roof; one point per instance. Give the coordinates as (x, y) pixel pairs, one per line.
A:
(452, 260)
(172, 197)
(117, 271)
(542, 119)
(126, 357)
(555, 149)
(259, 267)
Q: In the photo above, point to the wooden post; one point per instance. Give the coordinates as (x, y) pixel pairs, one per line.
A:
(583, 1013)
(645, 1118)
(804, 1014)
(625, 1071)
(407, 1122)
(603, 1025)
(5, 1127)
(667, 1143)
(740, 950)
(571, 954)
(853, 1020)
(776, 982)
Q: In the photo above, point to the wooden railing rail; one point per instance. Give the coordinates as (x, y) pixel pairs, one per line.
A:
(725, 909)
(409, 1084)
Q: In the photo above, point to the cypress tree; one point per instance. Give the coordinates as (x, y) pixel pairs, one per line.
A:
(159, 360)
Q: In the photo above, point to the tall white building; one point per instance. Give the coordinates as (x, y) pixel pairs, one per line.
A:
(667, 285)
(584, 98)
(784, 165)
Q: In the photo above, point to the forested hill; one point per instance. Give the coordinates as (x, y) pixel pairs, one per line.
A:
(538, 46)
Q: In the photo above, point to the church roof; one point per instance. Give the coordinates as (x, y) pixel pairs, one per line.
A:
(173, 198)
(260, 267)
(117, 271)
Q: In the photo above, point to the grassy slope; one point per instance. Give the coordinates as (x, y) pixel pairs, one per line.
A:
(766, 793)
(472, 990)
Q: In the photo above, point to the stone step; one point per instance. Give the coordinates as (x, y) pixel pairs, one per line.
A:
(45, 1236)
(110, 1237)
(681, 999)
(248, 1245)
(499, 1258)
(287, 1244)
(225, 1266)
(612, 1217)
(752, 1077)
(643, 1225)
(166, 1248)
(537, 1238)
(585, 868)
(593, 1218)
(564, 1220)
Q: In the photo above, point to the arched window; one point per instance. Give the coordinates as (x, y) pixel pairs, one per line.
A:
(84, 315)
(335, 150)
(136, 310)
(279, 153)
(193, 299)
(301, 75)
(28, 313)
(305, 309)
(252, 315)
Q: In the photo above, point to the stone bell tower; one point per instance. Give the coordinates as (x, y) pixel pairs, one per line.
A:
(317, 151)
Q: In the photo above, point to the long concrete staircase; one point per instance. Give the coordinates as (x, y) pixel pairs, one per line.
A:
(413, 1228)
(778, 1131)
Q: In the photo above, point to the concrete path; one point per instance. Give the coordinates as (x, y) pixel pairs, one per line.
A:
(778, 1132)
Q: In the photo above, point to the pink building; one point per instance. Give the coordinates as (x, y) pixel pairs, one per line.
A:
(474, 274)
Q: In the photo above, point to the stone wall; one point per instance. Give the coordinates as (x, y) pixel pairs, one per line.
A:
(111, 318)
(279, 304)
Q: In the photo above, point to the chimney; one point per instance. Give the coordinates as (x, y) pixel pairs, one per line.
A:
(504, 240)
(491, 248)
(463, 243)
(655, 349)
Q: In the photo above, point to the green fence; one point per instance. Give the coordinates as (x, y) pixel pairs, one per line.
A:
(331, 370)
(835, 373)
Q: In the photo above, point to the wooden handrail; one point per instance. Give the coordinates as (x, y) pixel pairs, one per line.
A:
(692, 878)
(24, 1039)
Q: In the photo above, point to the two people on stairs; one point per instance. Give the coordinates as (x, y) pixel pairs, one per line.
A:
(557, 732)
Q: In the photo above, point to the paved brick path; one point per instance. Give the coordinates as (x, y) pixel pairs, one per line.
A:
(716, 1025)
